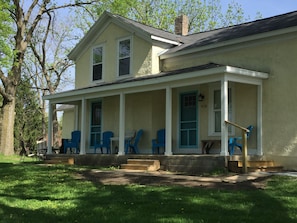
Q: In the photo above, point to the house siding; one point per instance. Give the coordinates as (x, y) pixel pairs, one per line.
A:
(142, 56)
(278, 58)
(145, 103)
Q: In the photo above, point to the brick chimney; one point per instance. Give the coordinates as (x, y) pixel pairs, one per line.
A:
(182, 25)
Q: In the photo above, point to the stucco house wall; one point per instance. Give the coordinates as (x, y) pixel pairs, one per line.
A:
(277, 57)
(271, 52)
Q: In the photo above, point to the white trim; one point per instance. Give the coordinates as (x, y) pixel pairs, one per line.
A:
(202, 76)
(92, 82)
(122, 125)
(211, 118)
(168, 122)
(50, 129)
(130, 38)
(259, 120)
(224, 116)
(83, 126)
(251, 40)
(160, 39)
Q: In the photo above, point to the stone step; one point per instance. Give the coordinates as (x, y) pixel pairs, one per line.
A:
(59, 160)
(266, 169)
(141, 164)
(254, 166)
(135, 167)
(258, 163)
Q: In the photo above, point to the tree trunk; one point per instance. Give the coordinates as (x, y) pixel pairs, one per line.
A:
(7, 127)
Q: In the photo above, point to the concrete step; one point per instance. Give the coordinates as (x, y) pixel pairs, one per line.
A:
(135, 167)
(254, 166)
(266, 169)
(141, 164)
(59, 160)
(257, 163)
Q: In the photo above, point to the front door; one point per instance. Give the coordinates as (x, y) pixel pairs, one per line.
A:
(188, 120)
(96, 113)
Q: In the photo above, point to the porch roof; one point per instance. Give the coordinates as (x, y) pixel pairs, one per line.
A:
(151, 81)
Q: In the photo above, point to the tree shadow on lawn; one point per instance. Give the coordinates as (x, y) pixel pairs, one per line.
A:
(215, 202)
(32, 193)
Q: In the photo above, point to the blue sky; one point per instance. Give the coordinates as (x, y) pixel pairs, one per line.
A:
(267, 8)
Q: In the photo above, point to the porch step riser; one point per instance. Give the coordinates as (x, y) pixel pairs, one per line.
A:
(257, 164)
(254, 166)
(59, 160)
(140, 164)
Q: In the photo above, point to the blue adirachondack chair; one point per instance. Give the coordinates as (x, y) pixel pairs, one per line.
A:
(133, 143)
(233, 142)
(72, 143)
(105, 142)
(159, 141)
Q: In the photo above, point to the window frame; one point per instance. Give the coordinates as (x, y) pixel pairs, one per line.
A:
(102, 63)
(119, 58)
(212, 110)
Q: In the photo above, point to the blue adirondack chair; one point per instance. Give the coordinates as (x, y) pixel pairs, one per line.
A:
(159, 141)
(233, 142)
(105, 142)
(72, 143)
(133, 143)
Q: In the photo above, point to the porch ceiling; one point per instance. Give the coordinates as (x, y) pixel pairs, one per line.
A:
(194, 75)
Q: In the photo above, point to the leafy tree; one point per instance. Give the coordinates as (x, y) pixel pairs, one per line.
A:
(22, 21)
(203, 14)
(27, 128)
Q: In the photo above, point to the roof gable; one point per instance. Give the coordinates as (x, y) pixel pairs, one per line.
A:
(144, 31)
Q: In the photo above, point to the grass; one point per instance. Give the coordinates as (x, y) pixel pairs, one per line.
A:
(36, 193)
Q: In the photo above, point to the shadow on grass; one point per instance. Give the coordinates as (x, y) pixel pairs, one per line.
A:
(34, 193)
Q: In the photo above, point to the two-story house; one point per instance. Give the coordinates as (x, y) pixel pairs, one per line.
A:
(130, 76)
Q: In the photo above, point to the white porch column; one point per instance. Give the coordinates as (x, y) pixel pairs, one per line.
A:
(122, 125)
(50, 129)
(168, 115)
(76, 117)
(259, 120)
(224, 116)
(83, 127)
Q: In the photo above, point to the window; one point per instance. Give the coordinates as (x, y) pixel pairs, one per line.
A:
(215, 113)
(124, 57)
(97, 63)
(188, 120)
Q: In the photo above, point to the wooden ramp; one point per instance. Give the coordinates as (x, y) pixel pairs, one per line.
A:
(141, 164)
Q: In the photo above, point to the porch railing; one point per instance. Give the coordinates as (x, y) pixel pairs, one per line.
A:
(244, 132)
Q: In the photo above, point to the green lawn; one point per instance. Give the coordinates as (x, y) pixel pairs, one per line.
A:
(34, 193)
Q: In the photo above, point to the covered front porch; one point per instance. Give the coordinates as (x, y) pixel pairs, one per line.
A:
(191, 104)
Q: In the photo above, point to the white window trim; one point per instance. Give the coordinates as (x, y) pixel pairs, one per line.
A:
(131, 57)
(211, 118)
(103, 64)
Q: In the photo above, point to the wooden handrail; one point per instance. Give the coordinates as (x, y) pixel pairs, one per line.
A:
(244, 132)
(237, 126)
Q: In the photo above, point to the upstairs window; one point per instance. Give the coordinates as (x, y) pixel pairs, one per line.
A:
(97, 63)
(124, 57)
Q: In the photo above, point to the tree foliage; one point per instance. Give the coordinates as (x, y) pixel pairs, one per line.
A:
(23, 18)
(203, 14)
(27, 128)
(6, 29)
